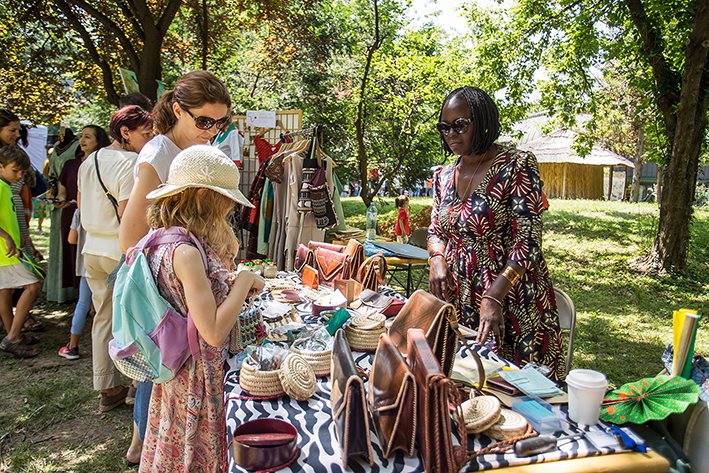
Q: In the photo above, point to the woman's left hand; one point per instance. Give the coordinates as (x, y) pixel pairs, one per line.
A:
(492, 322)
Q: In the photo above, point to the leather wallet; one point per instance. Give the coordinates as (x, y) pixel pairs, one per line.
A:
(331, 265)
(265, 444)
(392, 399)
(310, 277)
(438, 398)
(496, 383)
(394, 308)
(374, 299)
(348, 403)
(433, 316)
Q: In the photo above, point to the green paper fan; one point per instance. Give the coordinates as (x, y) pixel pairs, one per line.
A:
(649, 399)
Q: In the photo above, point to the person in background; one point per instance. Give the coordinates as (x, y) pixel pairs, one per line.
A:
(186, 425)
(485, 237)
(105, 180)
(136, 98)
(192, 113)
(64, 150)
(13, 273)
(401, 227)
(77, 236)
(91, 138)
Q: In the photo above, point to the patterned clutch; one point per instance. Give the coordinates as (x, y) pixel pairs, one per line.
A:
(248, 329)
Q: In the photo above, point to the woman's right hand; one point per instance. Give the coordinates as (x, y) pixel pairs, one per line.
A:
(439, 280)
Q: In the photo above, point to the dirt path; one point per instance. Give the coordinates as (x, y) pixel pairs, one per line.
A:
(49, 419)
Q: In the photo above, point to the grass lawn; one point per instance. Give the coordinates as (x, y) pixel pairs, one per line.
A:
(48, 411)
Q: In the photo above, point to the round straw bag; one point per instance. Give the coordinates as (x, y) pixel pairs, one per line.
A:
(318, 360)
(480, 413)
(363, 331)
(297, 377)
(509, 425)
(260, 383)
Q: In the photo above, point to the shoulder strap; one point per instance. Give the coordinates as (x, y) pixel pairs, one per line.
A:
(111, 199)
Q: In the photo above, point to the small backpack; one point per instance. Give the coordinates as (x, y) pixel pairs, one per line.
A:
(151, 340)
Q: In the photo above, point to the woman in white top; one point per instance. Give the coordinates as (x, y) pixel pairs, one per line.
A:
(108, 172)
(192, 113)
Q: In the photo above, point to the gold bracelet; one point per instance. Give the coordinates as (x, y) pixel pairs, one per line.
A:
(487, 296)
(511, 275)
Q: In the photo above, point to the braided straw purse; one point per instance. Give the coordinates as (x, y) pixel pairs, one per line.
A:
(363, 331)
(297, 377)
(266, 384)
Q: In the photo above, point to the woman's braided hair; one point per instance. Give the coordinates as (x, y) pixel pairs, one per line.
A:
(484, 116)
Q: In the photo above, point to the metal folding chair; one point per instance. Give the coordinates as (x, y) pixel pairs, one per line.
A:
(567, 322)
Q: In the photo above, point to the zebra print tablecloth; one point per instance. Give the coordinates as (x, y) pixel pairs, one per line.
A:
(319, 449)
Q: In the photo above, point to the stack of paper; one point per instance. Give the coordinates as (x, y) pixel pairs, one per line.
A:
(685, 323)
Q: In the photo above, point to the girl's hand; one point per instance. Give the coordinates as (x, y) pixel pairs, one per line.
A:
(439, 279)
(255, 282)
(492, 323)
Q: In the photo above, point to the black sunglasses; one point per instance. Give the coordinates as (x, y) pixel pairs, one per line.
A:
(459, 126)
(206, 123)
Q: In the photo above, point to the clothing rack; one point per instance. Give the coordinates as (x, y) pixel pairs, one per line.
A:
(304, 132)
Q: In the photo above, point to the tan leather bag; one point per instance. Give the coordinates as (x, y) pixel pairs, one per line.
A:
(372, 272)
(438, 399)
(433, 316)
(392, 399)
(331, 265)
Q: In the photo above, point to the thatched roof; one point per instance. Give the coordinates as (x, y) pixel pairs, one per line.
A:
(557, 147)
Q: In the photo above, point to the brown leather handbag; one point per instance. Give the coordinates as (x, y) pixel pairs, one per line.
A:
(433, 316)
(392, 399)
(303, 256)
(348, 403)
(331, 265)
(438, 398)
(372, 271)
(353, 249)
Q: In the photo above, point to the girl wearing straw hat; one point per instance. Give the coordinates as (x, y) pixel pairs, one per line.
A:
(190, 114)
(186, 424)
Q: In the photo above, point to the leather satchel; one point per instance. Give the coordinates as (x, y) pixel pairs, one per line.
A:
(314, 245)
(348, 403)
(433, 316)
(331, 265)
(392, 399)
(303, 256)
(438, 398)
(372, 271)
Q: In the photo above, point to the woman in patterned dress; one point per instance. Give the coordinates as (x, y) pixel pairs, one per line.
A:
(484, 242)
(186, 428)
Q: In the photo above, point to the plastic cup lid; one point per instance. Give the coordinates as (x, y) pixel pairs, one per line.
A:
(586, 379)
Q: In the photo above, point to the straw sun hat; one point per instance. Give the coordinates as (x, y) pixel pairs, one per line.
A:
(202, 166)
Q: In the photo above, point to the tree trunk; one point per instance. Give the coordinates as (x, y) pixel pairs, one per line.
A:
(361, 112)
(610, 182)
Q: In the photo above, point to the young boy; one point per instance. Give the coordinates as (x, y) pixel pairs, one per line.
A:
(13, 274)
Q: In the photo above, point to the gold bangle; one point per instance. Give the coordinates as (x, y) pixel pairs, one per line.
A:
(487, 296)
(511, 275)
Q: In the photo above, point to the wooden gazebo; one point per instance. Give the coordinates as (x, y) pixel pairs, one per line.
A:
(567, 175)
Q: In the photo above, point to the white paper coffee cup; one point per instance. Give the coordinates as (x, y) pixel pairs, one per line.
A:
(586, 391)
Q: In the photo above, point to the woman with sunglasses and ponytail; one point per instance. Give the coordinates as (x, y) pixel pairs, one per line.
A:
(191, 114)
(485, 238)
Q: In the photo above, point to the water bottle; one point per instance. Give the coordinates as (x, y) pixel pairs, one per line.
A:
(371, 222)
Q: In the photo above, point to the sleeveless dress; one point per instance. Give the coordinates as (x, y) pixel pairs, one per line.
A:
(501, 221)
(186, 429)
